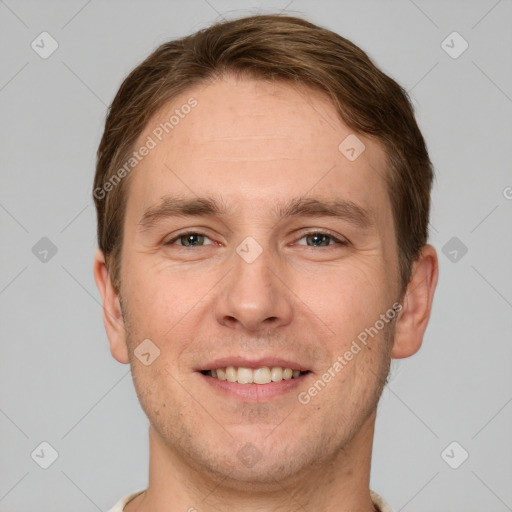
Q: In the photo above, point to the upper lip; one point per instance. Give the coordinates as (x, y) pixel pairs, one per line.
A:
(244, 362)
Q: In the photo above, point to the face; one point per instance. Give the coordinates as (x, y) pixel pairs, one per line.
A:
(251, 241)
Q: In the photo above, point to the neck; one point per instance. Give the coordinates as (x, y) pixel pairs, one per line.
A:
(339, 484)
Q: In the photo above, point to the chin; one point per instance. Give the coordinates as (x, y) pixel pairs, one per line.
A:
(254, 462)
(268, 473)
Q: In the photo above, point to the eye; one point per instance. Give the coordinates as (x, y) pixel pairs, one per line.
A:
(320, 239)
(190, 239)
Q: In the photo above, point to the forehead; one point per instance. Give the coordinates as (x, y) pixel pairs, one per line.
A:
(254, 140)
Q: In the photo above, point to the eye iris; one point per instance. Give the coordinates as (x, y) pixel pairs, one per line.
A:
(318, 239)
(192, 239)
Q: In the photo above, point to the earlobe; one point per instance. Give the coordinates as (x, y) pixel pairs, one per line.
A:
(112, 314)
(417, 305)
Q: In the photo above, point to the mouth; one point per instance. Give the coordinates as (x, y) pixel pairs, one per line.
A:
(253, 381)
(261, 375)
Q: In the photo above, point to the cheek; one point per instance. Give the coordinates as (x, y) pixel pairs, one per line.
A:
(347, 300)
(157, 392)
(158, 299)
(153, 315)
(172, 312)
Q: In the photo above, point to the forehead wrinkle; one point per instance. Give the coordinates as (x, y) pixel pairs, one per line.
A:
(244, 137)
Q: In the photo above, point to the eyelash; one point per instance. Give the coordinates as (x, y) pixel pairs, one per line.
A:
(309, 233)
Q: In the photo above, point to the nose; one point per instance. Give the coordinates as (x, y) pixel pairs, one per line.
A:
(254, 297)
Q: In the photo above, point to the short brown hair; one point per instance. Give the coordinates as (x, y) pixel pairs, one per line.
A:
(271, 47)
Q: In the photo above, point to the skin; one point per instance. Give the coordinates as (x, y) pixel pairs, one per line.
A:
(253, 144)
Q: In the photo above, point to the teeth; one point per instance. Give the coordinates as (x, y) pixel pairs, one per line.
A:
(277, 374)
(245, 376)
(231, 374)
(263, 375)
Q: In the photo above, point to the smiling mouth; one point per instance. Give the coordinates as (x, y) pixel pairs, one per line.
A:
(263, 375)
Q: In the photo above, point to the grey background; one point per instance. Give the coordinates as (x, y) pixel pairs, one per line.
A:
(58, 382)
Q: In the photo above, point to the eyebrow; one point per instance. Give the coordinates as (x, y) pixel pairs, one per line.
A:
(337, 208)
(170, 206)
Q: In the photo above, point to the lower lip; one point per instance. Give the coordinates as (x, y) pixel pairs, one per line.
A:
(254, 392)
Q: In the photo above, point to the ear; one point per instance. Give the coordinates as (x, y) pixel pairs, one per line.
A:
(112, 314)
(417, 304)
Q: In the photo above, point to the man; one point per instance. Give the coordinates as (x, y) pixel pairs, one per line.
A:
(263, 194)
